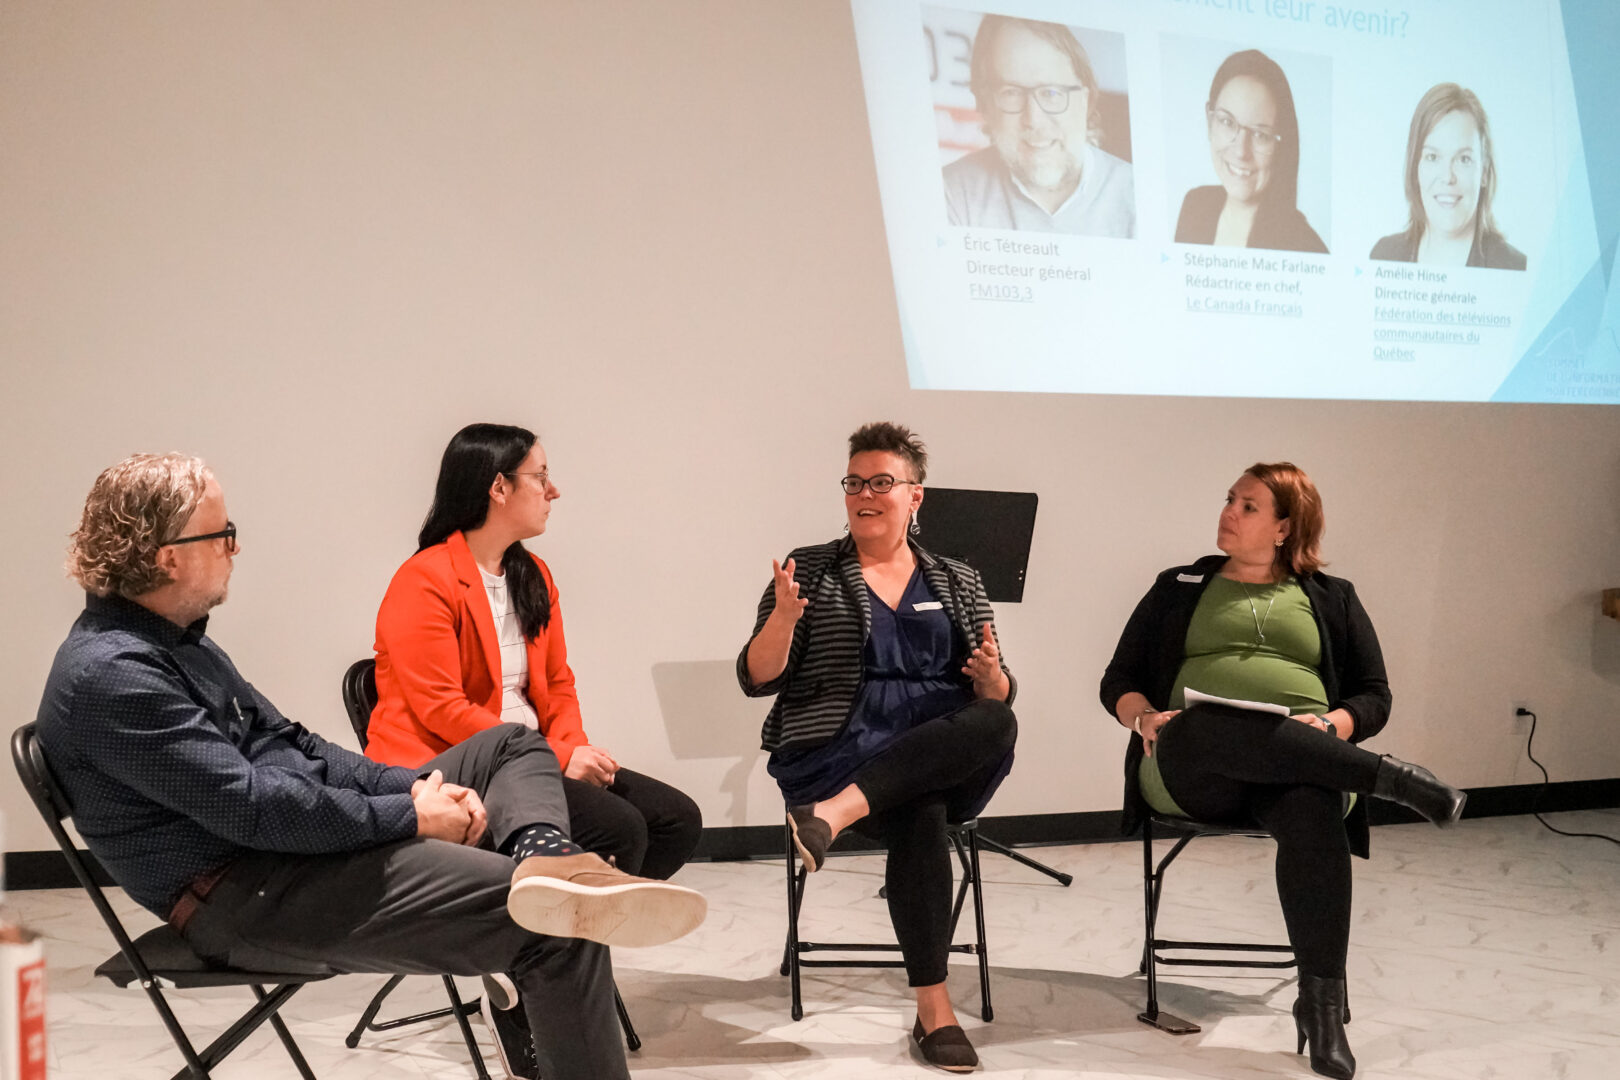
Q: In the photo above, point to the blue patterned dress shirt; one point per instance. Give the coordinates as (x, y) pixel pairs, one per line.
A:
(174, 765)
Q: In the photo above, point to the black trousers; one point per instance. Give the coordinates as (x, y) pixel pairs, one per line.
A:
(1233, 767)
(429, 907)
(649, 827)
(935, 773)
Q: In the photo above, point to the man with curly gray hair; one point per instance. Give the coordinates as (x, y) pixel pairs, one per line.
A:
(266, 846)
(128, 542)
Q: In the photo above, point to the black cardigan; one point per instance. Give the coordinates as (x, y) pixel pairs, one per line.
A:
(1154, 644)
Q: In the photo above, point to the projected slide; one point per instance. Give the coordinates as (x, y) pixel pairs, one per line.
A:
(1256, 198)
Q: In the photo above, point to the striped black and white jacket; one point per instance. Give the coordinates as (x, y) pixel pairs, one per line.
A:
(817, 689)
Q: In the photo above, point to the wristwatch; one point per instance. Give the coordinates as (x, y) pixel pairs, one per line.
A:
(1329, 727)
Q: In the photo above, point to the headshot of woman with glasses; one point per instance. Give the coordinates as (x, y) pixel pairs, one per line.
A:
(1450, 183)
(1254, 149)
(1037, 96)
(892, 705)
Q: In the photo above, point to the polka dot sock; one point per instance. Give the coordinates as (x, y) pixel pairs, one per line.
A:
(543, 840)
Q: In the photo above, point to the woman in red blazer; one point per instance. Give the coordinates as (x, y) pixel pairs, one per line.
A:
(470, 635)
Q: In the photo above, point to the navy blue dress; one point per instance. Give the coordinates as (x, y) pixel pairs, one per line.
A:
(912, 674)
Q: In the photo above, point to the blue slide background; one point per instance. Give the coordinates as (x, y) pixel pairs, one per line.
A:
(1577, 356)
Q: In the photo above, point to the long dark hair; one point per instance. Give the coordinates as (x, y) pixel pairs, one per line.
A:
(477, 454)
(1283, 192)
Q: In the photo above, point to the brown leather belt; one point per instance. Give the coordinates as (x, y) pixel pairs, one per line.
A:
(193, 896)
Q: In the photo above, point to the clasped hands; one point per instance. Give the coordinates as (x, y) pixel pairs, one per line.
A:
(456, 814)
(593, 765)
(448, 811)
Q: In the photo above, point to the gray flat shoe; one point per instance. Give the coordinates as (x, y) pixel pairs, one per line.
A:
(946, 1048)
(811, 836)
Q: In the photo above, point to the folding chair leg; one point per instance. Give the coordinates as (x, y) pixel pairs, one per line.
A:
(461, 1012)
(790, 954)
(195, 1066)
(1019, 857)
(286, 1038)
(631, 1039)
(1153, 1015)
(793, 964)
(352, 1040)
(199, 1064)
(986, 1011)
(1150, 909)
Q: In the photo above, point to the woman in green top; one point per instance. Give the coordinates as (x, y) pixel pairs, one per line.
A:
(1261, 623)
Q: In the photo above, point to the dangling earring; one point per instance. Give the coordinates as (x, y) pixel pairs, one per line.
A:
(846, 528)
(914, 528)
(1279, 542)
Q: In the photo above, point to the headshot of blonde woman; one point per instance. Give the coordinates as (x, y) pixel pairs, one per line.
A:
(1450, 181)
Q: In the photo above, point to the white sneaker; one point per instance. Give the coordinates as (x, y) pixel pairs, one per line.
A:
(514, 1042)
(499, 991)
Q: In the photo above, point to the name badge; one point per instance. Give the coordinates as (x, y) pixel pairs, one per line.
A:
(1191, 579)
(927, 605)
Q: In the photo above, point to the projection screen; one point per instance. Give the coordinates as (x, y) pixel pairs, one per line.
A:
(1257, 198)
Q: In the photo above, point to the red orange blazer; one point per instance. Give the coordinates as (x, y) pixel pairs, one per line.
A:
(438, 662)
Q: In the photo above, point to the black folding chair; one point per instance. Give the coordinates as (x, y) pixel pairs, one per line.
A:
(359, 699)
(160, 957)
(1186, 831)
(964, 837)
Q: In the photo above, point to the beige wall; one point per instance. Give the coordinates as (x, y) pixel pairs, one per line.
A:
(309, 240)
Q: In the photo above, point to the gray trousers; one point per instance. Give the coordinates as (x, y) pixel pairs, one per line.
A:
(429, 907)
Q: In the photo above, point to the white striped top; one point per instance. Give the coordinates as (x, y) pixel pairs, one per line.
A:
(514, 673)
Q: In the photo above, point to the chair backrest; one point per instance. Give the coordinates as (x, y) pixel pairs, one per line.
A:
(360, 696)
(52, 803)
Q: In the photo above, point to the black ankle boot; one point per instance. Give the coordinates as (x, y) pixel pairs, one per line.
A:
(1318, 1018)
(1415, 787)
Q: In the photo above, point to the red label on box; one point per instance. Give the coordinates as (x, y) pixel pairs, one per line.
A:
(31, 1021)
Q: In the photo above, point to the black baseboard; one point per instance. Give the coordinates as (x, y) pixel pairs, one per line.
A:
(49, 870)
(1515, 799)
(1102, 826)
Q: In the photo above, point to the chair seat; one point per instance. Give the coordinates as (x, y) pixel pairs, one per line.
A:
(1177, 819)
(172, 961)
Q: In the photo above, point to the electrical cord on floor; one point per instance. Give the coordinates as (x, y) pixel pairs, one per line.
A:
(1530, 752)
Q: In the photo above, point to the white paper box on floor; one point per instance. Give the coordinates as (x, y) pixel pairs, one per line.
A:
(22, 1005)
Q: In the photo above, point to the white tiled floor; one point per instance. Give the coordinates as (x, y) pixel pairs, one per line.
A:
(1479, 952)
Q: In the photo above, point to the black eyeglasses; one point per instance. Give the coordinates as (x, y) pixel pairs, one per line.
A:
(1053, 100)
(227, 534)
(881, 484)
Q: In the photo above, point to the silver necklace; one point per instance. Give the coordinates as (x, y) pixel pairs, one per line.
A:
(1259, 623)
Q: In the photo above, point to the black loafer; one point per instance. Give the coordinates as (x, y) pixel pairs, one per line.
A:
(946, 1048)
(811, 836)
